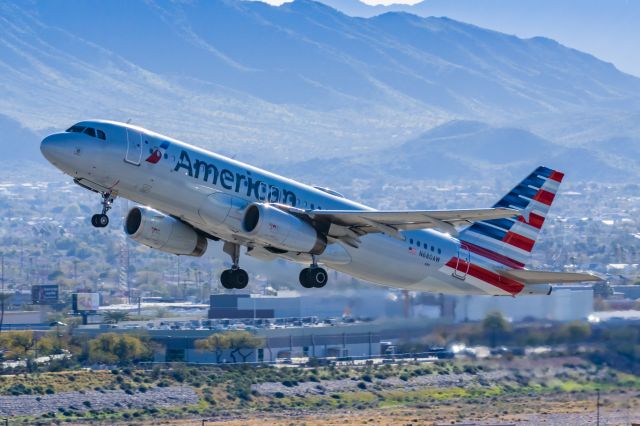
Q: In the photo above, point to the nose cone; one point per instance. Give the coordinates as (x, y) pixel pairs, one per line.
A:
(53, 149)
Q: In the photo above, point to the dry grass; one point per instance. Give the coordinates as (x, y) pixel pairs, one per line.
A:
(618, 407)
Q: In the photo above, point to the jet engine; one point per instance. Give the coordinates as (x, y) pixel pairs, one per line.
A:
(162, 232)
(281, 230)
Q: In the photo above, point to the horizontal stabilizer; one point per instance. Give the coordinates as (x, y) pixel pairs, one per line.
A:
(544, 277)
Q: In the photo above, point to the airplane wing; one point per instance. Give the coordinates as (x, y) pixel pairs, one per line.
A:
(348, 225)
(545, 277)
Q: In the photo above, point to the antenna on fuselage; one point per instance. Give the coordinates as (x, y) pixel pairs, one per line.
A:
(129, 121)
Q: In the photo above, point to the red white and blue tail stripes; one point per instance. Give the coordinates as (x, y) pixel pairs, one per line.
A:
(509, 241)
(490, 245)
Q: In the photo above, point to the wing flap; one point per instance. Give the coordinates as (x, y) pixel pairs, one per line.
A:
(545, 277)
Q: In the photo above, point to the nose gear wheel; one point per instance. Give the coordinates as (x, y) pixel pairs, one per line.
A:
(101, 220)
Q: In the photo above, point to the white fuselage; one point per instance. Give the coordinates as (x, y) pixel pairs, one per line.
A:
(210, 192)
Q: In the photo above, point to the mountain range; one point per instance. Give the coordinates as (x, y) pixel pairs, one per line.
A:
(461, 150)
(306, 82)
(606, 29)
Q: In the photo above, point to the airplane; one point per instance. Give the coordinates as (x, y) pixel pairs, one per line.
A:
(188, 195)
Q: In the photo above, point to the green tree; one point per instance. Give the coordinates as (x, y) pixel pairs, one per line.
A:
(241, 343)
(116, 316)
(495, 327)
(17, 344)
(217, 342)
(112, 348)
(578, 331)
(240, 340)
(4, 297)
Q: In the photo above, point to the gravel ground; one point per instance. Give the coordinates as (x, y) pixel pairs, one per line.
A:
(575, 419)
(342, 385)
(32, 405)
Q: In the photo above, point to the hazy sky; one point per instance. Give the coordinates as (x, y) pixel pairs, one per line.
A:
(372, 2)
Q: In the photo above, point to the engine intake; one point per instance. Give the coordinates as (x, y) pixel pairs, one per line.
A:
(162, 232)
(279, 229)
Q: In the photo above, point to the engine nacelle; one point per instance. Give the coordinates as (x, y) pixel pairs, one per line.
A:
(279, 229)
(162, 232)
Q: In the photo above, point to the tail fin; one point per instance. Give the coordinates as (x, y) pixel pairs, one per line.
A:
(510, 241)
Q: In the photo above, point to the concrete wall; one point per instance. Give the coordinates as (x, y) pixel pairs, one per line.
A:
(17, 318)
(560, 305)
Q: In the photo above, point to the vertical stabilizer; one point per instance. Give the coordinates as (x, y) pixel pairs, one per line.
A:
(510, 241)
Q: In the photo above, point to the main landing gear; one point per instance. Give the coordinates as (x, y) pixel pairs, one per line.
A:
(101, 220)
(234, 278)
(314, 276)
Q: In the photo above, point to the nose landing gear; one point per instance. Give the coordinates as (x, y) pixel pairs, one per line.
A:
(101, 220)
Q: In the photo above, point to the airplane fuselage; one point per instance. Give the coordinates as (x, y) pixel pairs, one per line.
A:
(210, 192)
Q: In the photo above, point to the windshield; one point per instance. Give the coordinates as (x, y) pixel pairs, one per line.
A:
(94, 133)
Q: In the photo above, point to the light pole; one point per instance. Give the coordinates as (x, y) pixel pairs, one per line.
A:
(57, 324)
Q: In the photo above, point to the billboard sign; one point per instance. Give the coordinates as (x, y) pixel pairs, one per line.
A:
(44, 294)
(85, 302)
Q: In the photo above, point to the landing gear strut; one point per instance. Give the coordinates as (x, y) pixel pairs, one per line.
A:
(101, 220)
(235, 277)
(314, 276)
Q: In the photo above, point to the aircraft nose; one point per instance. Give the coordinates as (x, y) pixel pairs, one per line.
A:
(52, 149)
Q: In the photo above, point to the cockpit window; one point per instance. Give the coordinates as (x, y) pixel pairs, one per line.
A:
(94, 133)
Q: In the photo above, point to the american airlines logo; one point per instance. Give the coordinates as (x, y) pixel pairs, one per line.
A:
(234, 181)
(157, 153)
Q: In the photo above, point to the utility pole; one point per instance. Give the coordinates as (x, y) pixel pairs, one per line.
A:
(598, 408)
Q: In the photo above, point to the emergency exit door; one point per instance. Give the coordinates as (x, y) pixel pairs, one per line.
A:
(463, 263)
(134, 147)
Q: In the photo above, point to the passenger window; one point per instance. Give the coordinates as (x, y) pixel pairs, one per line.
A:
(439, 251)
(432, 248)
(75, 129)
(418, 243)
(91, 132)
(312, 208)
(101, 135)
(410, 240)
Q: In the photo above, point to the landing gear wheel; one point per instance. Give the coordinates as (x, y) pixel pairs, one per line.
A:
(234, 279)
(304, 278)
(318, 277)
(313, 277)
(240, 278)
(225, 279)
(99, 220)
